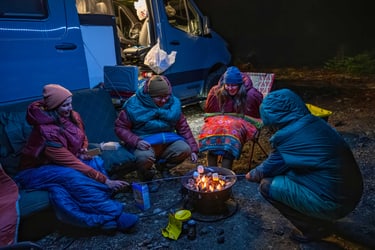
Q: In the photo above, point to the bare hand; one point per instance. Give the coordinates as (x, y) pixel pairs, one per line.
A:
(247, 176)
(116, 184)
(254, 176)
(83, 154)
(194, 157)
(143, 145)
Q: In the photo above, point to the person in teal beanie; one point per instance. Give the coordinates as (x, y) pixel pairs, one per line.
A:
(311, 175)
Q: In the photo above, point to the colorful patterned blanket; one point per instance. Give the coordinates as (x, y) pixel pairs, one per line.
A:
(227, 132)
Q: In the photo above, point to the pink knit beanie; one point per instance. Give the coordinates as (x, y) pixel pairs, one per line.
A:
(54, 95)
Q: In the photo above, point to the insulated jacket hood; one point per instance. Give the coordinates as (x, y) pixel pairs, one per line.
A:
(281, 107)
(147, 118)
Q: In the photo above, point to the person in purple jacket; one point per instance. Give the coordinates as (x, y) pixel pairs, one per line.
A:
(229, 103)
(55, 159)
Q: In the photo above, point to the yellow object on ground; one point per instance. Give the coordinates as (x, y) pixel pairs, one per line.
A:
(174, 228)
(320, 112)
(182, 215)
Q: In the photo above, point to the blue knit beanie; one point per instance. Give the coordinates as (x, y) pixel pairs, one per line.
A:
(232, 76)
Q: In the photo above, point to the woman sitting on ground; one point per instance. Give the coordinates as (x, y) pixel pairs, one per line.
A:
(55, 159)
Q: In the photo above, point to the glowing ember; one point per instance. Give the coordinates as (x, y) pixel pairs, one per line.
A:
(208, 182)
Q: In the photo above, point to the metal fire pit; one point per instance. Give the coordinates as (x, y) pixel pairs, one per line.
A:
(209, 202)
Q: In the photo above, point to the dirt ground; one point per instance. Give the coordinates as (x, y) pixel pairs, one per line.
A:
(250, 222)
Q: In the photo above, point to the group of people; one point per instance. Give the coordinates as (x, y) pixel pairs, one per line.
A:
(310, 176)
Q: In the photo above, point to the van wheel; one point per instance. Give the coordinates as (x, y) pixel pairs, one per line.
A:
(211, 80)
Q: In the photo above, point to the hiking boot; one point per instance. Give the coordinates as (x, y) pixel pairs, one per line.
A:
(315, 235)
(126, 222)
(299, 237)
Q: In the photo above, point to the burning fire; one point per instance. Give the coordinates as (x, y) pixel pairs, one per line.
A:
(207, 182)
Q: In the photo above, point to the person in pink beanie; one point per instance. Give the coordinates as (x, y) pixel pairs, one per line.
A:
(55, 158)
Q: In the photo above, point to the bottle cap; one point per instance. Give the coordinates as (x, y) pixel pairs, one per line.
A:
(182, 215)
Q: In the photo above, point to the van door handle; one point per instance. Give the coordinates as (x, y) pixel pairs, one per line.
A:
(66, 46)
(174, 42)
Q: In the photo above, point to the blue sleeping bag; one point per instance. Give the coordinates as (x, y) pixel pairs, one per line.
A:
(77, 199)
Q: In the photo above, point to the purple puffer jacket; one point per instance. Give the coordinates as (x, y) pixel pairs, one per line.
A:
(45, 129)
(253, 100)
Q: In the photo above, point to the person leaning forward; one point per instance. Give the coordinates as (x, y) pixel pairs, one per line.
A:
(152, 125)
(311, 175)
(222, 134)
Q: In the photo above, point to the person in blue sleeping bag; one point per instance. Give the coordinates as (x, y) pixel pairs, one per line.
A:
(55, 159)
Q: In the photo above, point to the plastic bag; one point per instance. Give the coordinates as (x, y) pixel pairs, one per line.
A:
(158, 60)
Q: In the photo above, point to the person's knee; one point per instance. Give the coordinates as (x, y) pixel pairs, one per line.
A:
(184, 149)
(177, 152)
(143, 157)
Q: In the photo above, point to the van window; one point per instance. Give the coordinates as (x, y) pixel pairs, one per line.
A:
(23, 9)
(182, 15)
(94, 7)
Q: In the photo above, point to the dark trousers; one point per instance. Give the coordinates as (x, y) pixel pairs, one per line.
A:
(167, 155)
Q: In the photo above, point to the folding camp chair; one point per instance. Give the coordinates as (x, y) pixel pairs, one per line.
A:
(263, 82)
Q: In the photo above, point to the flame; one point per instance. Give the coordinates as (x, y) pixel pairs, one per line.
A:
(208, 183)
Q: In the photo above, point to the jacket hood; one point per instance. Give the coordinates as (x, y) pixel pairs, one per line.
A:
(281, 107)
(36, 115)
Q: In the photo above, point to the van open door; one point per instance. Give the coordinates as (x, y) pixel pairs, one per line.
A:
(99, 35)
(201, 54)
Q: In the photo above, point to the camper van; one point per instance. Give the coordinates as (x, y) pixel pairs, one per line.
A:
(87, 43)
(45, 41)
(201, 54)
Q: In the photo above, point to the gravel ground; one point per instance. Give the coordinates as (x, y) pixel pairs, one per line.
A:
(251, 223)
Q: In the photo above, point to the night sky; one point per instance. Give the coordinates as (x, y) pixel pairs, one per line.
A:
(291, 33)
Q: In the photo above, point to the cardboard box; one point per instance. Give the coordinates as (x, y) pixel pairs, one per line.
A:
(93, 152)
(141, 196)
